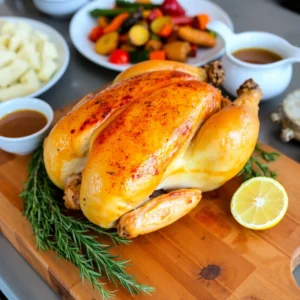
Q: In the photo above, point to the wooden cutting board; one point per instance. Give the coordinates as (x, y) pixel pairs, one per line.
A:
(205, 255)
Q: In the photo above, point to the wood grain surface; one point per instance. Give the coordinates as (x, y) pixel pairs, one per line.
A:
(205, 255)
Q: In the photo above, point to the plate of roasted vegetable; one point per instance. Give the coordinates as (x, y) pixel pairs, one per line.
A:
(118, 33)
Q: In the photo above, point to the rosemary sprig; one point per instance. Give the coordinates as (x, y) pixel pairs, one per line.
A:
(257, 164)
(71, 237)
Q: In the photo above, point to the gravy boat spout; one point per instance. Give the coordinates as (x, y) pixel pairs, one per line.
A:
(274, 77)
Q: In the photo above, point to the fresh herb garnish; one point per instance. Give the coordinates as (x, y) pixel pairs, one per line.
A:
(257, 165)
(71, 237)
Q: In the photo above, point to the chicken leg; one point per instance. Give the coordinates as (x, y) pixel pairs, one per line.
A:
(158, 212)
(221, 147)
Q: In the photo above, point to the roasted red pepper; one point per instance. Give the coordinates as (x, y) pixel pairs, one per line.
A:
(119, 56)
(155, 13)
(172, 8)
(95, 33)
(182, 20)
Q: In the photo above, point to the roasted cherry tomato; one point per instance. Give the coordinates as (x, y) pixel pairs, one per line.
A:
(119, 56)
(95, 33)
(172, 8)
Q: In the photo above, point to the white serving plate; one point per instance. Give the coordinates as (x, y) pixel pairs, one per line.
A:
(82, 23)
(57, 39)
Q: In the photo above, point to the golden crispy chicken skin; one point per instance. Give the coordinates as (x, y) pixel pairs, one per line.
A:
(69, 141)
(128, 159)
(156, 130)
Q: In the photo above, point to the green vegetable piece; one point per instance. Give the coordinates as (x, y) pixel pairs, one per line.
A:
(257, 165)
(123, 3)
(95, 13)
(139, 56)
(154, 37)
(213, 33)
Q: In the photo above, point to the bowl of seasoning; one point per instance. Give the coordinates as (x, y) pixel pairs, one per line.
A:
(24, 123)
(262, 56)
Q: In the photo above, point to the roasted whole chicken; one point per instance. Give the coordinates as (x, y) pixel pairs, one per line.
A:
(159, 127)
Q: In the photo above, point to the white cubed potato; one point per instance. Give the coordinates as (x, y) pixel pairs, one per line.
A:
(30, 77)
(39, 38)
(8, 28)
(6, 57)
(23, 31)
(12, 72)
(2, 22)
(29, 84)
(40, 35)
(12, 92)
(14, 43)
(18, 90)
(48, 67)
(48, 50)
(29, 53)
(4, 40)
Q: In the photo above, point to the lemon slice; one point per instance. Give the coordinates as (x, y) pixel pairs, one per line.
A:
(259, 203)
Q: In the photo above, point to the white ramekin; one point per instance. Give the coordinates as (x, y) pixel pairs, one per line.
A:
(59, 8)
(27, 144)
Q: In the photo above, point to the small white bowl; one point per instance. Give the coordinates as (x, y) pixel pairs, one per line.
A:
(59, 8)
(27, 144)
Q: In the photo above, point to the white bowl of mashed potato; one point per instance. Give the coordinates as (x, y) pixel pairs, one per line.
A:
(33, 57)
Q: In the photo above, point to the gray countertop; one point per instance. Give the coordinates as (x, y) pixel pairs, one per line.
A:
(17, 278)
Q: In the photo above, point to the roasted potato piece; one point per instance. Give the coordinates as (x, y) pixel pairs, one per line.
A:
(158, 23)
(107, 43)
(138, 35)
(153, 45)
(128, 47)
(177, 50)
(197, 37)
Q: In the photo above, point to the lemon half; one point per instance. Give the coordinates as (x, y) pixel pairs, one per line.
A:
(259, 203)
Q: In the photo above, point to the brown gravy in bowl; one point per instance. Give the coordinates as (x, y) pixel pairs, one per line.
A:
(257, 56)
(22, 123)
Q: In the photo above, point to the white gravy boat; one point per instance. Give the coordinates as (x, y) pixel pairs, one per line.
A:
(273, 78)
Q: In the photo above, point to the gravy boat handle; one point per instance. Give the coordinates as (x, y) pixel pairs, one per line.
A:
(223, 30)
